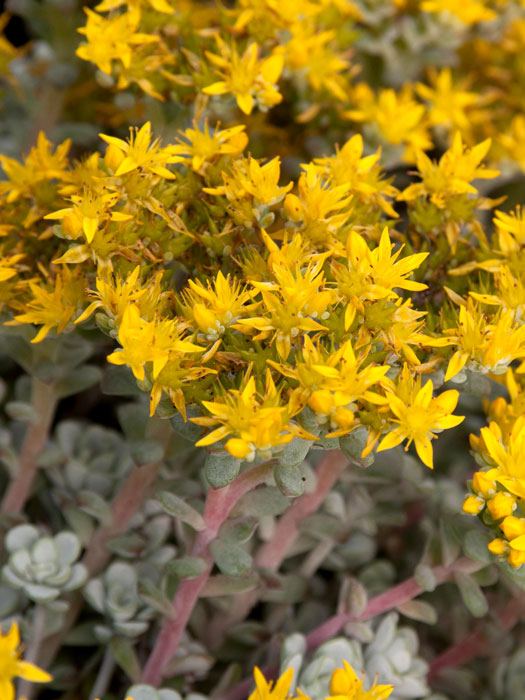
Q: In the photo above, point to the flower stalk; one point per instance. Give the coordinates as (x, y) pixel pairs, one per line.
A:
(219, 504)
(44, 403)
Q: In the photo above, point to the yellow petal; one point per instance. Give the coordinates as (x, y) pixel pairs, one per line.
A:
(30, 672)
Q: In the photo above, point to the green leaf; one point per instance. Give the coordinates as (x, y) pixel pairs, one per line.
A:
(94, 505)
(228, 585)
(221, 469)
(78, 380)
(152, 595)
(352, 446)
(186, 429)
(419, 610)
(187, 567)
(178, 508)
(264, 501)
(290, 480)
(472, 595)
(125, 656)
(231, 559)
(146, 451)
(133, 419)
(425, 577)
(21, 411)
(294, 452)
(119, 381)
(475, 547)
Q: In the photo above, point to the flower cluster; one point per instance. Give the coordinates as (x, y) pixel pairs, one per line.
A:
(305, 328)
(498, 488)
(310, 54)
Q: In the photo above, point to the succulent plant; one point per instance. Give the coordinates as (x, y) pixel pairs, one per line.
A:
(146, 540)
(43, 567)
(85, 457)
(115, 595)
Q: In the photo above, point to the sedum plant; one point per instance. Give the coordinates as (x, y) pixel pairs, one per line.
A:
(261, 271)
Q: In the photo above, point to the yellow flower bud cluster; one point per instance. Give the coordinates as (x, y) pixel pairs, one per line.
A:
(498, 493)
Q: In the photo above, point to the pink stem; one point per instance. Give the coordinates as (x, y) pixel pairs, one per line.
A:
(219, 504)
(390, 599)
(477, 643)
(273, 553)
(44, 403)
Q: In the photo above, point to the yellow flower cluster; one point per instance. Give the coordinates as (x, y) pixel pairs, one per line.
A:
(259, 54)
(345, 684)
(296, 321)
(498, 489)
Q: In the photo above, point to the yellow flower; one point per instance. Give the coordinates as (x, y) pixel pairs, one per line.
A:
(489, 346)
(419, 416)
(250, 79)
(114, 294)
(255, 423)
(291, 304)
(8, 266)
(53, 305)
(466, 11)
(157, 5)
(201, 146)
(113, 38)
(213, 308)
(266, 690)
(398, 118)
(319, 209)
(507, 455)
(248, 178)
(145, 342)
(510, 293)
(140, 153)
(472, 505)
(501, 505)
(452, 175)
(331, 383)
(348, 167)
(90, 211)
(450, 105)
(372, 274)
(40, 165)
(346, 685)
(510, 227)
(310, 54)
(11, 665)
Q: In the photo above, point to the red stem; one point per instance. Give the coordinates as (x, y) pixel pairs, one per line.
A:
(477, 642)
(392, 598)
(44, 403)
(273, 553)
(219, 504)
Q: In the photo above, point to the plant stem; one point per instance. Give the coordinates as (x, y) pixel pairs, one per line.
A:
(25, 688)
(477, 642)
(44, 404)
(390, 599)
(272, 554)
(126, 503)
(103, 678)
(218, 506)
